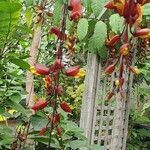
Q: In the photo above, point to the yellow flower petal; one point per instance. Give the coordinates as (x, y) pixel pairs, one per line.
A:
(2, 118)
(80, 74)
(33, 71)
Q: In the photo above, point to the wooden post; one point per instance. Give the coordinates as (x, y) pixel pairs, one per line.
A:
(32, 60)
(88, 102)
(87, 109)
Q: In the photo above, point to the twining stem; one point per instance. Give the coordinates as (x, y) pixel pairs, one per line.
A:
(59, 44)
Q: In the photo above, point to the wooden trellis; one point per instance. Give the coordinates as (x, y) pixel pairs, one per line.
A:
(104, 122)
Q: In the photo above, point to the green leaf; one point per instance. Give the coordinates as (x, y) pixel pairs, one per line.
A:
(103, 52)
(82, 28)
(146, 11)
(97, 41)
(19, 62)
(97, 6)
(96, 147)
(9, 17)
(37, 125)
(78, 144)
(17, 107)
(57, 12)
(28, 17)
(87, 4)
(117, 23)
(16, 97)
(91, 27)
(144, 132)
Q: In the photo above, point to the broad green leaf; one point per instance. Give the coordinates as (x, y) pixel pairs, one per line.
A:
(57, 12)
(146, 11)
(68, 23)
(97, 41)
(17, 107)
(95, 147)
(45, 139)
(37, 125)
(19, 62)
(16, 97)
(144, 132)
(91, 27)
(117, 23)
(9, 17)
(78, 144)
(142, 119)
(97, 6)
(6, 141)
(28, 17)
(82, 28)
(87, 5)
(103, 52)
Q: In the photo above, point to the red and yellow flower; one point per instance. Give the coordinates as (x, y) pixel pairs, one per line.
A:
(134, 70)
(124, 49)
(39, 69)
(142, 33)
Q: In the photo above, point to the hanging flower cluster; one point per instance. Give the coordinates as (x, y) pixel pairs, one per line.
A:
(51, 74)
(131, 11)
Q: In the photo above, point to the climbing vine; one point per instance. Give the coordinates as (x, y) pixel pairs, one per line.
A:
(71, 29)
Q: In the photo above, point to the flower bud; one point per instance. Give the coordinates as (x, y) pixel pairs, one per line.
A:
(124, 49)
(65, 106)
(59, 132)
(110, 95)
(39, 105)
(142, 33)
(115, 39)
(109, 70)
(72, 71)
(43, 131)
(134, 70)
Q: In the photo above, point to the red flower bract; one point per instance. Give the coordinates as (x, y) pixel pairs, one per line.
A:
(110, 95)
(59, 90)
(55, 30)
(59, 131)
(110, 69)
(43, 131)
(142, 2)
(72, 71)
(39, 105)
(143, 33)
(65, 106)
(73, 3)
(110, 5)
(75, 15)
(76, 9)
(58, 64)
(55, 119)
(42, 69)
(118, 6)
(115, 39)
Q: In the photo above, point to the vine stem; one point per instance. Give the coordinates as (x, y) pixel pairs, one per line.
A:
(60, 44)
